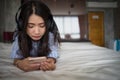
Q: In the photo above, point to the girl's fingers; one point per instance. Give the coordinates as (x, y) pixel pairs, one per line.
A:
(44, 66)
(47, 66)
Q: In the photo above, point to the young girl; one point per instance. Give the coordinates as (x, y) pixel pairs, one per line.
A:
(37, 36)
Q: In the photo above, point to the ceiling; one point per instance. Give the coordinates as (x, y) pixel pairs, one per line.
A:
(101, 0)
(79, 0)
(75, 7)
(84, 0)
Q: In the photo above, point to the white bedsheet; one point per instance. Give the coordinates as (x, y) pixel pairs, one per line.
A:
(78, 61)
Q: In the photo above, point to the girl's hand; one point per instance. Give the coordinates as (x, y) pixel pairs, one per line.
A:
(49, 64)
(26, 65)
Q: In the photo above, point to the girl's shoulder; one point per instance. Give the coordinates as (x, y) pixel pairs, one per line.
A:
(51, 35)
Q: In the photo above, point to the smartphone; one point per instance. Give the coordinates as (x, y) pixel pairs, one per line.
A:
(37, 59)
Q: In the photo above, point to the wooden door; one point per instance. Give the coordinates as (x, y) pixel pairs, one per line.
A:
(96, 27)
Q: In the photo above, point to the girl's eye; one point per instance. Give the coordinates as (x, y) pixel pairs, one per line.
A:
(42, 25)
(30, 26)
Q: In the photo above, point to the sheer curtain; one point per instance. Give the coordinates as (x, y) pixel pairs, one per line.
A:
(68, 26)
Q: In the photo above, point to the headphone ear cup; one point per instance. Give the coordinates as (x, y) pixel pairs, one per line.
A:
(20, 24)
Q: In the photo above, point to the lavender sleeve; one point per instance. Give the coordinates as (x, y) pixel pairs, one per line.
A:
(15, 50)
(53, 47)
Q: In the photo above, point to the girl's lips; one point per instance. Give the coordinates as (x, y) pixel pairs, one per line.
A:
(36, 36)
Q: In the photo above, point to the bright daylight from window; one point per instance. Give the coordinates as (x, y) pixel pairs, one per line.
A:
(68, 26)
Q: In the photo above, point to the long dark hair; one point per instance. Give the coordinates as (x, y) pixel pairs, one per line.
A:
(25, 42)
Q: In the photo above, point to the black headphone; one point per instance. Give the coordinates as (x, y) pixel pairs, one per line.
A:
(17, 19)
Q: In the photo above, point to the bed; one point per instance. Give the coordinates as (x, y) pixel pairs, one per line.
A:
(78, 61)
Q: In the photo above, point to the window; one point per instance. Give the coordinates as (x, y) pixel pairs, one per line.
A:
(68, 26)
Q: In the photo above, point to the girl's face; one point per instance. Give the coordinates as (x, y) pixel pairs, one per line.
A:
(36, 27)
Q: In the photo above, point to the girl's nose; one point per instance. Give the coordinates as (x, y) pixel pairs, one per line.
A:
(37, 30)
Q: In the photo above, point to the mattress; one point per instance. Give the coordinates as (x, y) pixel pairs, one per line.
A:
(77, 61)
